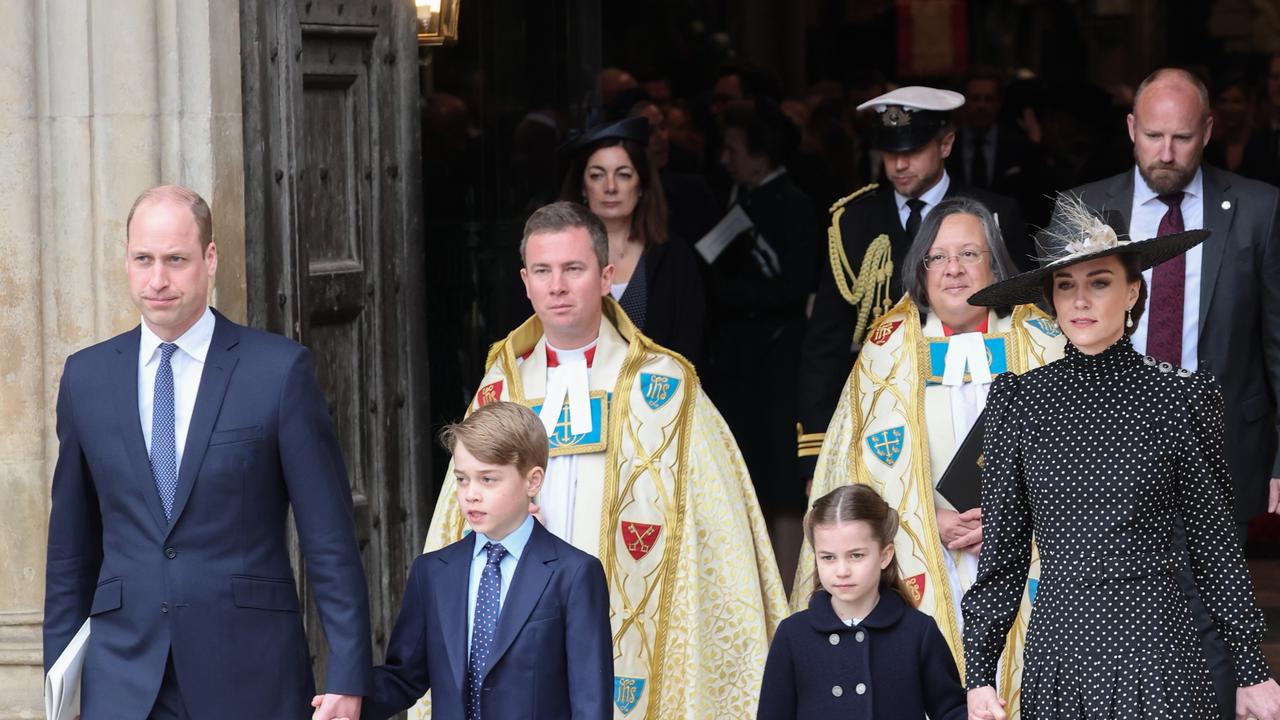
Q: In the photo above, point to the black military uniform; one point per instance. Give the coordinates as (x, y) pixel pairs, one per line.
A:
(857, 220)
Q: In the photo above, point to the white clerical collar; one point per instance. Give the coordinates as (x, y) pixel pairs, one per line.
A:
(568, 383)
(966, 350)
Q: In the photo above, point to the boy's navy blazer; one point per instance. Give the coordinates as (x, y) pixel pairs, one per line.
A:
(552, 654)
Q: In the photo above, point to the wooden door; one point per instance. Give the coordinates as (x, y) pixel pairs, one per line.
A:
(334, 252)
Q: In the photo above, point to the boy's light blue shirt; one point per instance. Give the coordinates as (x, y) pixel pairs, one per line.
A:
(514, 544)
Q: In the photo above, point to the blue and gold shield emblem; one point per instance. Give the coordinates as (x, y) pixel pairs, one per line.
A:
(1048, 327)
(658, 389)
(627, 692)
(886, 445)
(564, 442)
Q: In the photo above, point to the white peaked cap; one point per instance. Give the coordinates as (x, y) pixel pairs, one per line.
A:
(916, 97)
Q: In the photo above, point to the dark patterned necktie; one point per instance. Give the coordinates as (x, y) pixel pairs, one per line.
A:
(1168, 287)
(483, 624)
(981, 171)
(164, 441)
(913, 219)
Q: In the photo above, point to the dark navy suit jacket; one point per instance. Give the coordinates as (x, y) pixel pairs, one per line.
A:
(214, 586)
(552, 655)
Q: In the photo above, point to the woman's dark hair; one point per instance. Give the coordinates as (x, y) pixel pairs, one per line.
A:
(1131, 272)
(848, 503)
(914, 281)
(649, 221)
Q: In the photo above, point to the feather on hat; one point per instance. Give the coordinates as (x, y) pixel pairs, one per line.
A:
(1078, 235)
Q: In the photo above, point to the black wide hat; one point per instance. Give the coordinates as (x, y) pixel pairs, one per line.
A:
(635, 129)
(1078, 235)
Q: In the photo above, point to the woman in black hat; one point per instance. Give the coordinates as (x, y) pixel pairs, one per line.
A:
(656, 278)
(1102, 456)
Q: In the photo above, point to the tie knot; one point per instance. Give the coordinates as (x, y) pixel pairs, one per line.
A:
(496, 552)
(1173, 199)
(166, 351)
(916, 204)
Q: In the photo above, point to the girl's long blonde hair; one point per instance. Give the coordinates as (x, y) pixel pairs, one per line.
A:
(859, 502)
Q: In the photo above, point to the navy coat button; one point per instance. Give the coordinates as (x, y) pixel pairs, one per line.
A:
(170, 553)
(837, 691)
(834, 639)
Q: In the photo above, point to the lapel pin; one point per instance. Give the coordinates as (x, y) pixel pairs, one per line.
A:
(1226, 204)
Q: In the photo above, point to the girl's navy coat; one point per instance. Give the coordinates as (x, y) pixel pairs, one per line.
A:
(894, 665)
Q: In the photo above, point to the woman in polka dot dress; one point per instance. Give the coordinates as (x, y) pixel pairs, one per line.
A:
(1100, 456)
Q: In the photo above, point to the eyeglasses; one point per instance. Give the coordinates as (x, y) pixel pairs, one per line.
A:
(966, 257)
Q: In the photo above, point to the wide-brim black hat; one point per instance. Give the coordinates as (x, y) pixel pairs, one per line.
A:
(635, 129)
(1080, 236)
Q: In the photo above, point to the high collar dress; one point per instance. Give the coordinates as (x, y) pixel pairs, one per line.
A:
(1100, 457)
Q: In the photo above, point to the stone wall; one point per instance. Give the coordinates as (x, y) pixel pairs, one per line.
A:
(98, 101)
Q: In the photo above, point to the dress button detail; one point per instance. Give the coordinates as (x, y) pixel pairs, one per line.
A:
(861, 689)
(837, 691)
(860, 636)
(834, 639)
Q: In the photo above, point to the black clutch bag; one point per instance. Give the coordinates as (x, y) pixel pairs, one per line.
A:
(961, 484)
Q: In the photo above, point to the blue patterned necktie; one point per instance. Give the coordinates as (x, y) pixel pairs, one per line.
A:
(483, 623)
(164, 440)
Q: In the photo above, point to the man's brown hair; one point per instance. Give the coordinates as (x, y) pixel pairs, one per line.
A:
(501, 433)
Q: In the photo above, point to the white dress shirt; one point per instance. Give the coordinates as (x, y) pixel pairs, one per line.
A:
(1144, 223)
(514, 544)
(931, 197)
(188, 365)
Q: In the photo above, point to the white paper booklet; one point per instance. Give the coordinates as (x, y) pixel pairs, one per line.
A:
(62, 684)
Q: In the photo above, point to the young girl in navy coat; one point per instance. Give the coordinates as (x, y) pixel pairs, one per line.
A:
(862, 649)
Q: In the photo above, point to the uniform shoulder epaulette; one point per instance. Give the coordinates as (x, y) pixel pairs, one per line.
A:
(853, 196)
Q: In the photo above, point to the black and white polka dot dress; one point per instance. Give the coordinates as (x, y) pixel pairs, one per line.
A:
(1098, 457)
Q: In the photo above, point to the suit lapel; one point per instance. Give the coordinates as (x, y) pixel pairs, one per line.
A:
(125, 379)
(218, 366)
(1120, 200)
(452, 592)
(532, 575)
(1219, 208)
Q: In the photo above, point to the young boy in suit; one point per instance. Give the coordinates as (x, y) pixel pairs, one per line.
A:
(510, 621)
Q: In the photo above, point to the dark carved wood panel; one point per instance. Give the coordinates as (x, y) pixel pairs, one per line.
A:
(333, 225)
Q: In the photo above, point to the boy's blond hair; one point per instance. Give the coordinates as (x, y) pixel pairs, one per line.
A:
(501, 433)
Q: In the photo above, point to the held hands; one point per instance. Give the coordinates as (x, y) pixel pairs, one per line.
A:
(1273, 499)
(336, 707)
(961, 531)
(1261, 701)
(984, 704)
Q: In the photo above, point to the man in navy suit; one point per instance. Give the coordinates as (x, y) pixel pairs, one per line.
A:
(183, 443)
(510, 622)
